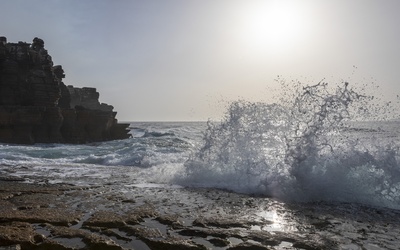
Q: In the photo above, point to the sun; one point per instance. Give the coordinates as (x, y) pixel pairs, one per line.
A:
(273, 24)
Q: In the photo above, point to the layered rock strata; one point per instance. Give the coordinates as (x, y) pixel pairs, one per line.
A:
(37, 107)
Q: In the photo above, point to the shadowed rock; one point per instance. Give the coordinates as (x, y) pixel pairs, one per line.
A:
(37, 107)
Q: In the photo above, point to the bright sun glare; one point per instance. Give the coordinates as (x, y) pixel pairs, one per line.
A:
(273, 25)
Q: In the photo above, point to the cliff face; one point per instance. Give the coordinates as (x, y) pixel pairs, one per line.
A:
(37, 107)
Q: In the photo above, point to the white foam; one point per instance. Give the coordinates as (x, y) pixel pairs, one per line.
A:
(302, 151)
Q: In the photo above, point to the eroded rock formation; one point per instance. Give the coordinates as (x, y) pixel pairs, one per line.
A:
(37, 107)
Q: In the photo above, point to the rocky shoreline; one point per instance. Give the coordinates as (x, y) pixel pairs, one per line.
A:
(40, 215)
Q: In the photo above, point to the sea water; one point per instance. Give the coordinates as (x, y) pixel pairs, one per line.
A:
(321, 144)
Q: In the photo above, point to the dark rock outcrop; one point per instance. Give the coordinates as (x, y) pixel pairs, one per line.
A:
(37, 107)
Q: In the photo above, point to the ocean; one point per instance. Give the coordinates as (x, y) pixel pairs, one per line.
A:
(309, 151)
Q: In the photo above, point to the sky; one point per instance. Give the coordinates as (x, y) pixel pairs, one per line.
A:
(185, 60)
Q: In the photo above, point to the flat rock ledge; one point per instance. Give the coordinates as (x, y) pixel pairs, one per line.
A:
(43, 216)
(35, 214)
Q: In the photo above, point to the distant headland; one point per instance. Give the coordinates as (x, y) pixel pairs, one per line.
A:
(37, 107)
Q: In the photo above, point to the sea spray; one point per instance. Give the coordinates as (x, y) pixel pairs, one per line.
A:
(301, 149)
(238, 153)
(316, 118)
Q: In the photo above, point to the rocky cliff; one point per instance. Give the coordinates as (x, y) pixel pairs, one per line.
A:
(37, 107)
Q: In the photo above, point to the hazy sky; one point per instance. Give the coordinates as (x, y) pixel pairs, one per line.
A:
(183, 59)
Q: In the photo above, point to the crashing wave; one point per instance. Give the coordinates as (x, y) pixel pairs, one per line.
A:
(301, 149)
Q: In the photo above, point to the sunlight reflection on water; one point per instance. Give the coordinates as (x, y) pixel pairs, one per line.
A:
(274, 221)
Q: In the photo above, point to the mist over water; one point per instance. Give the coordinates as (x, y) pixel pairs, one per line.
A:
(305, 148)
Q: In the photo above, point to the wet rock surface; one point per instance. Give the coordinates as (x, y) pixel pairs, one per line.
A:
(38, 215)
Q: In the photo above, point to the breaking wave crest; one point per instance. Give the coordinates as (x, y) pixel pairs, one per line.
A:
(306, 148)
